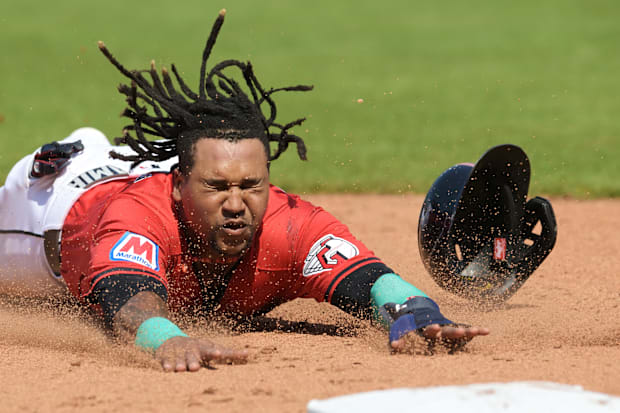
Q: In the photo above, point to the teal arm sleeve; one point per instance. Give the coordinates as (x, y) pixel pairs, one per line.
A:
(390, 288)
(153, 332)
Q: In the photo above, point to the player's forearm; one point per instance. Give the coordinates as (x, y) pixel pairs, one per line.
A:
(363, 293)
(391, 289)
(402, 308)
(135, 311)
(398, 305)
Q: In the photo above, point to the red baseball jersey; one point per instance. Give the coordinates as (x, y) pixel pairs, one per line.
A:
(129, 227)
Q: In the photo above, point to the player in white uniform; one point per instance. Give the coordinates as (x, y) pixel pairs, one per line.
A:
(33, 210)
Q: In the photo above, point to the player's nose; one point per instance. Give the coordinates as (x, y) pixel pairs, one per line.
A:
(234, 205)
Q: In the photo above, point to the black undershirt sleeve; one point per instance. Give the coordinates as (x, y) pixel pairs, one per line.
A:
(113, 292)
(352, 294)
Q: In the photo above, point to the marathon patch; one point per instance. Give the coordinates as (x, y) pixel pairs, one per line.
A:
(137, 249)
(326, 253)
(86, 179)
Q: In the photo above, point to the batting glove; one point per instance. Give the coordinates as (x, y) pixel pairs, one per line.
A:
(412, 316)
(52, 157)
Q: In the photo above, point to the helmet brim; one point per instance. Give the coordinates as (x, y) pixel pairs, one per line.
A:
(503, 171)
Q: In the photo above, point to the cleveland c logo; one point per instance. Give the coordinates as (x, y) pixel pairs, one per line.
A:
(327, 253)
(137, 249)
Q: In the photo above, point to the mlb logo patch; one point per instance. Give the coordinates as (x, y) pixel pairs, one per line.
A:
(137, 249)
(499, 249)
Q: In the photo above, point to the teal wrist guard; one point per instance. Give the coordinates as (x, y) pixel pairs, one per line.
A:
(153, 332)
(390, 288)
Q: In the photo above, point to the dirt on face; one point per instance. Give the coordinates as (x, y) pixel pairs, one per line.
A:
(561, 326)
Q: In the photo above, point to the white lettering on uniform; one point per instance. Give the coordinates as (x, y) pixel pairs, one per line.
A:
(91, 176)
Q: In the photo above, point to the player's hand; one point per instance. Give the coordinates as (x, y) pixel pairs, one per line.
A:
(452, 337)
(52, 157)
(190, 354)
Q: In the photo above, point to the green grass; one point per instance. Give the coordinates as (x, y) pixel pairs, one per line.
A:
(441, 81)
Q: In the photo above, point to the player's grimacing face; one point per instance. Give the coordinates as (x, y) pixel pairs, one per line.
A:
(225, 195)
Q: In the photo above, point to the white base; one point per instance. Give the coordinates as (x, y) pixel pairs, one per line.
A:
(526, 397)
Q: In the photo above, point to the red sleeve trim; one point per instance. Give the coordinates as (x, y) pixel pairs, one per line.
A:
(124, 270)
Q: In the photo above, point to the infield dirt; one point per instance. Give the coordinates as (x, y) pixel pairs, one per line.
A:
(562, 326)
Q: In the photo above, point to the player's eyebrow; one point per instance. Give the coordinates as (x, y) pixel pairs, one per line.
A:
(251, 180)
(215, 181)
(247, 181)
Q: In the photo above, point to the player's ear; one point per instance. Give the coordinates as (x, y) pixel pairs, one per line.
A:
(178, 180)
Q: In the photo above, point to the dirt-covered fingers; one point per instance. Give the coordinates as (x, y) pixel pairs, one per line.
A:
(185, 361)
(180, 359)
(433, 337)
(435, 331)
(454, 338)
(471, 332)
(192, 361)
(211, 352)
(410, 343)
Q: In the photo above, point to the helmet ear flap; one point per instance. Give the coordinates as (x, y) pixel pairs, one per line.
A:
(533, 249)
(537, 210)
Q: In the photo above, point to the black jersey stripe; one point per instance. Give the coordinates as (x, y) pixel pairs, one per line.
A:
(113, 292)
(341, 273)
(352, 294)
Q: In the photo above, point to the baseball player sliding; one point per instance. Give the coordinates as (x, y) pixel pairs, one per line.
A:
(190, 223)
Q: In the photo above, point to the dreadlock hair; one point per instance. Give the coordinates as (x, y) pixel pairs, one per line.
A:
(180, 118)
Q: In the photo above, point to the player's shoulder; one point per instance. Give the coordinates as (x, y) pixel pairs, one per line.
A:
(144, 207)
(287, 216)
(156, 186)
(149, 194)
(284, 219)
(285, 203)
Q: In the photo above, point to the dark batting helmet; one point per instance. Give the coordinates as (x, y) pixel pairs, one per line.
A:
(478, 235)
